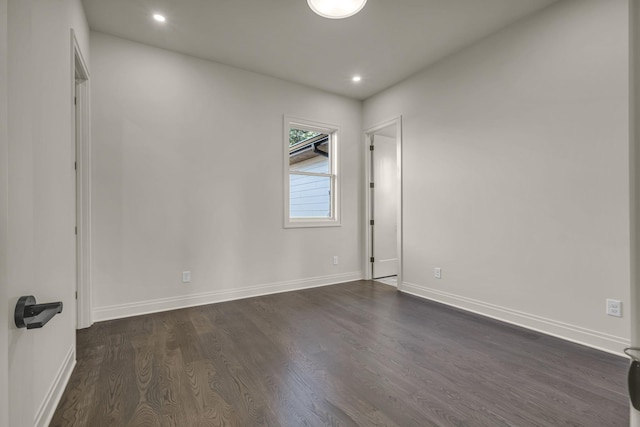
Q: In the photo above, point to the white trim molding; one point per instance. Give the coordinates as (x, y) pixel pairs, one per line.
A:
(577, 334)
(192, 300)
(53, 396)
(81, 129)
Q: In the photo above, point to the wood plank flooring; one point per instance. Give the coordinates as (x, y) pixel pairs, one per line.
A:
(355, 354)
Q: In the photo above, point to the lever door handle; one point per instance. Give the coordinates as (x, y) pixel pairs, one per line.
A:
(30, 315)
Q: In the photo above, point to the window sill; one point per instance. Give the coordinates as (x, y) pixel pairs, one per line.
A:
(312, 223)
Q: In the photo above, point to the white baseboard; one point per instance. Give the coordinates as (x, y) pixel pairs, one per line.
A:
(191, 300)
(51, 400)
(577, 334)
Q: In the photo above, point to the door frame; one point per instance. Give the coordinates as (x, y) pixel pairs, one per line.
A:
(81, 131)
(368, 132)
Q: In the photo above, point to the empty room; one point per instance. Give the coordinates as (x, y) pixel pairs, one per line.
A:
(319, 213)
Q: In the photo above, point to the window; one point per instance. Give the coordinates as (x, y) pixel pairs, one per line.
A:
(311, 180)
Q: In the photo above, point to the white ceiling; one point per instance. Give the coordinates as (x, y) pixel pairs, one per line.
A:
(386, 42)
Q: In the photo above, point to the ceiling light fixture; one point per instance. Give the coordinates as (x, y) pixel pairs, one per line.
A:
(336, 9)
(159, 17)
(356, 78)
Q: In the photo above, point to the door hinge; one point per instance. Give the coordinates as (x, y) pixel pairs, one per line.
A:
(371, 148)
(371, 259)
(75, 101)
(76, 294)
(371, 185)
(76, 230)
(371, 222)
(75, 165)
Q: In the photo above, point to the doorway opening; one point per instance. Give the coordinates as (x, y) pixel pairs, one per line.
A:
(383, 222)
(81, 173)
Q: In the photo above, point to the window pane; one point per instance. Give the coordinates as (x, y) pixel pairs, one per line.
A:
(310, 154)
(309, 196)
(299, 135)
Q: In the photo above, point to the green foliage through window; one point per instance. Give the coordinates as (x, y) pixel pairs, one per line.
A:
(297, 135)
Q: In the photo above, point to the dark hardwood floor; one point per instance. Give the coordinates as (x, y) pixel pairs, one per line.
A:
(356, 354)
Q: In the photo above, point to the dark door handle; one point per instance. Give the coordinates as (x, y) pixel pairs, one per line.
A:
(30, 315)
(634, 377)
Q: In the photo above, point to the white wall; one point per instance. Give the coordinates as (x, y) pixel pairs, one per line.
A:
(516, 173)
(187, 175)
(4, 303)
(634, 180)
(41, 199)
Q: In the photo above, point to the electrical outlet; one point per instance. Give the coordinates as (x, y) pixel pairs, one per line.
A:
(614, 308)
(437, 273)
(186, 276)
(335, 260)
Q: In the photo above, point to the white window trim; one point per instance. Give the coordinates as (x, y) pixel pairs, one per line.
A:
(334, 157)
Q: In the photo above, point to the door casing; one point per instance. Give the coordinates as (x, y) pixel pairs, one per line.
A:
(80, 103)
(368, 199)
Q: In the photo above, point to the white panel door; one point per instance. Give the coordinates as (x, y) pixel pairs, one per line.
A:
(385, 209)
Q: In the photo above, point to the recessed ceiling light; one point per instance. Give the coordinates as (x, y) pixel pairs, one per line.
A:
(159, 17)
(356, 78)
(336, 9)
